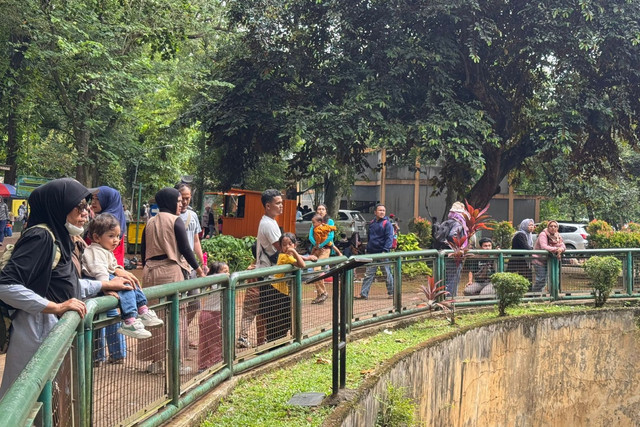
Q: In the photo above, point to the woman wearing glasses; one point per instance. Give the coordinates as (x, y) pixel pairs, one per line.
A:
(40, 280)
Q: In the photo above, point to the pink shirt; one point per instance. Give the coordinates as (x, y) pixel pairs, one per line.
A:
(544, 244)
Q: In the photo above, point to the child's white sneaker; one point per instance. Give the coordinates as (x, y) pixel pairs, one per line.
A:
(150, 319)
(134, 330)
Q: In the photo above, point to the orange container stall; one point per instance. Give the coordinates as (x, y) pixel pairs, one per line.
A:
(241, 211)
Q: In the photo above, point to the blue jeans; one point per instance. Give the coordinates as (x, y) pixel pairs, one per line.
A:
(115, 341)
(3, 225)
(541, 277)
(369, 275)
(130, 301)
(452, 278)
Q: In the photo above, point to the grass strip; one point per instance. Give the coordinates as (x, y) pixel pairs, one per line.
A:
(263, 400)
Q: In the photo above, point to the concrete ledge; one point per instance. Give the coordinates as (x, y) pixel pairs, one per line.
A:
(576, 368)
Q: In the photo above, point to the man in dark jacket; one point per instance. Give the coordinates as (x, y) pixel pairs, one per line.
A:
(380, 241)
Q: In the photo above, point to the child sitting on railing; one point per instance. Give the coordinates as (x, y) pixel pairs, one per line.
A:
(99, 263)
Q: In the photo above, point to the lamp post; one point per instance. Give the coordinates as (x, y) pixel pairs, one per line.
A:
(133, 189)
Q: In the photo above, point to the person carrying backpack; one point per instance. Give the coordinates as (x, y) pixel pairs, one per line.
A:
(380, 241)
(455, 226)
(38, 287)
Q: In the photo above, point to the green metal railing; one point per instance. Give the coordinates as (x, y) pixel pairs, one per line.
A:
(36, 391)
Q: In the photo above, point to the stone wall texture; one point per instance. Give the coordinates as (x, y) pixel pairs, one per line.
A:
(578, 369)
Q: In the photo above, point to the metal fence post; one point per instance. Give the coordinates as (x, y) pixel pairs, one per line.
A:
(83, 389)
(438, 269)
(297, 306)
(174, 356)
(46, 398)
(229, 321)
(500, 262)
(554, 273)
(629, 275)
(348, 292)
(397, 288)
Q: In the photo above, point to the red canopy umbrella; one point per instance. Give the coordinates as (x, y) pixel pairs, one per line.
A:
(7, 190)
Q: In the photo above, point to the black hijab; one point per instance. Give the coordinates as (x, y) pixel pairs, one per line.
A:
(167, 200)
(30, 263)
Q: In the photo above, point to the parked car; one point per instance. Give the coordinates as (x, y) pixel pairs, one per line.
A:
(573, 234)
(348, 222)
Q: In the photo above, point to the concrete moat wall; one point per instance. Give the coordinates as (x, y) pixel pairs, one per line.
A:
(566, 370)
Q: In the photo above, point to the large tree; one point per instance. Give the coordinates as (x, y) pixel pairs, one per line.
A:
(102, 78)
(475, 86)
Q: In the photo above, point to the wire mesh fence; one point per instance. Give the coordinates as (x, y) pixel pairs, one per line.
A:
(65, 397)
(131, 379)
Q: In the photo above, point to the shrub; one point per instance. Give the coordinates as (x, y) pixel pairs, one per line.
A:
(421, 227)
(602, 236)
(435, 295)
(633, 227)
(510, 288)
(603, 271)
(503, 234)
(235, 252)
(598, 226)
(540, 227)
(409, 242)
(396, 409)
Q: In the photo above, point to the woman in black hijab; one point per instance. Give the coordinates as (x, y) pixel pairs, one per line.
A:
(28, 283)
(167, 258)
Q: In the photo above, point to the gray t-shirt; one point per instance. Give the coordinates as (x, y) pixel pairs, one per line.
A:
(191, 224)
(268, 234)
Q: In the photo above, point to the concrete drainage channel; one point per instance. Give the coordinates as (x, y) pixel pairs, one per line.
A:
(553, 369)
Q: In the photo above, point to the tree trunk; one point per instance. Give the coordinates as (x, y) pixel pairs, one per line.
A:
(12, 144)
(83, 166)
(331, 197)
(198, 195)
(16, 60)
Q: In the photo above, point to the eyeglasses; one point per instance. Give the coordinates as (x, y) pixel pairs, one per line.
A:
(83, 206)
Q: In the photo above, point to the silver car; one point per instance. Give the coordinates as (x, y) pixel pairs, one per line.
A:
(348, 222)
(573, 234)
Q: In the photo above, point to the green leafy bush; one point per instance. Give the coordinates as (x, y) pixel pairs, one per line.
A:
(235, 252)
(633, 227)
(540, 227)
(409, 242)
(603, 272)
(396, 409)
(510, 288)
(503, 234)
(602, 236)
(599, 226)
(421, 227)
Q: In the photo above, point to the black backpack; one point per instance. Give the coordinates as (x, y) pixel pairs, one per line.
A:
(441, 234)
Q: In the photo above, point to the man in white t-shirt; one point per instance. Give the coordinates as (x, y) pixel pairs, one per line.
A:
(258, 300)
(267, 244)
(192, 225)
(275, 307)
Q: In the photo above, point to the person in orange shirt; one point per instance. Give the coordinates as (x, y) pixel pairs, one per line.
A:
(321, 232)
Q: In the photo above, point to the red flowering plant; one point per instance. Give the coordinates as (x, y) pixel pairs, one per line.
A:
(436, 295)
(476, 220)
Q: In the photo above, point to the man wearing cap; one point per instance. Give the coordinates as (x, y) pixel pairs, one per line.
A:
(380, 241)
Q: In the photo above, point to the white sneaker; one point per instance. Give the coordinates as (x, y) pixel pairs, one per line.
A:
(134, 330)
(150, 319)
